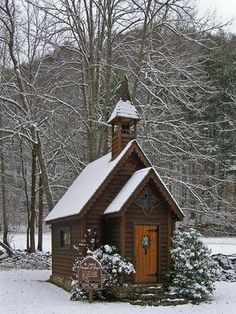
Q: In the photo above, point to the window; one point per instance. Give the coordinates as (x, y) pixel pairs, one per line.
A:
(145, 201)
(65, 238)
(125, 128)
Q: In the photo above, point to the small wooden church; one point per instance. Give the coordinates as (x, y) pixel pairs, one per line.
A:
(122, 197)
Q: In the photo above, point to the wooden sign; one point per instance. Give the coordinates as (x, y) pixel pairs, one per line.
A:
(90, 275)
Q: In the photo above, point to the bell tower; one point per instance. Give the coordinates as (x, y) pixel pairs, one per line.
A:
(123, 120)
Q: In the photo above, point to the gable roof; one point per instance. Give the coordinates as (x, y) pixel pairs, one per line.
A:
(124, 109)
(127, 190)
(133, 185)
(87, 184)
(93, 179)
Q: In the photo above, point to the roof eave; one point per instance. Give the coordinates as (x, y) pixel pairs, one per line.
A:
(117, 118)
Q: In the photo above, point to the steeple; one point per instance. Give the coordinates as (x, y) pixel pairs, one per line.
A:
(123, 119)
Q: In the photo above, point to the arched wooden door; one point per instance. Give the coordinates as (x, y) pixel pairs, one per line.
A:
(146, 253)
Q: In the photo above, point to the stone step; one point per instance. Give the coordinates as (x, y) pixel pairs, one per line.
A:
(144, 292)
(162, 302)
(146, 296)
(148, 289)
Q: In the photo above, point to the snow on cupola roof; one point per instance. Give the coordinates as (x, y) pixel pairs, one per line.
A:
(124, 109)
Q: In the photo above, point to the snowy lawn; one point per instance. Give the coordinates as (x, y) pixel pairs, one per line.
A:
(226, 246)
(26, 291)
(18, 241)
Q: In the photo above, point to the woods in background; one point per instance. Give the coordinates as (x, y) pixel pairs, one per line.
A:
(61, 65)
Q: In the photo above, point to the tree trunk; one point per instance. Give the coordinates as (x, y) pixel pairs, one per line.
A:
(3, 192)
(44, 175)
(33, 200)
(7, 248)
(40, 216)
(4, 206)
(23, 173)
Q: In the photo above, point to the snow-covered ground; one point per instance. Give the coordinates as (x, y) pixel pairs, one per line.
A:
(18, 241)
(26, 292)
(226, 246)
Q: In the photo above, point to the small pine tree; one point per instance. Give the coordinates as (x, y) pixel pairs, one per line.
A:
(194, 271)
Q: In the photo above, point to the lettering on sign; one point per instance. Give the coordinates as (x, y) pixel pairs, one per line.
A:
(90, 272)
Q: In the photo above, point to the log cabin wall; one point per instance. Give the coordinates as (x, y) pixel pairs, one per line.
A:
(119, 142)
(63, 257)
(159, 216)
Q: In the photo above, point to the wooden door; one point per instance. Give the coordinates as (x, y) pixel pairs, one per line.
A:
(146, 257)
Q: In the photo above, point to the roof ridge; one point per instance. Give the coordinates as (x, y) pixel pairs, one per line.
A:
(141, 170)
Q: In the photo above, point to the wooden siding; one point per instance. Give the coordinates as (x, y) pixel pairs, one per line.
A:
(119, 141)
(63, 258)
(159, 216)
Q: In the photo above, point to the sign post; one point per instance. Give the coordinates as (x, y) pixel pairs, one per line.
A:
(90, 275)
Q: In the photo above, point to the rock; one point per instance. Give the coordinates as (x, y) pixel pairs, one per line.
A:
(23, 260)
(227, 265)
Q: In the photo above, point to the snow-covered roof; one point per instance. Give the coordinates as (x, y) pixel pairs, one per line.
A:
(124, 109)
(131, 186)
(92, 177)
(127, 190)
(84, 187)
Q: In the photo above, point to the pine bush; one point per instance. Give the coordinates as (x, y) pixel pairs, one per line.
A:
(194, 271)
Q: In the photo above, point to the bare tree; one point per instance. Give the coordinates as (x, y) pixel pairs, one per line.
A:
(19, 94)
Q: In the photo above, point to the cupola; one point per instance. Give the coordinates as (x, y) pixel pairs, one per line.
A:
(123, 119)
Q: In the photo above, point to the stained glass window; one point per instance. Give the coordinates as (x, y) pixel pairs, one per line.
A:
(144, 201)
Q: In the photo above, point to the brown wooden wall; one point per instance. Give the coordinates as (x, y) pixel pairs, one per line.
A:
(63, 258)
(119, 141)
(159, 216)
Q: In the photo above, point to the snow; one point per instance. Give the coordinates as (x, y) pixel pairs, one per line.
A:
(27, 292)
(84, 187)
(18, 241)
(226, 246)
(124, 109)
(127, 190)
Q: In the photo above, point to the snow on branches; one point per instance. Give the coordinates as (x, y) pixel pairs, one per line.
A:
(114, 266)
(194, 271)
